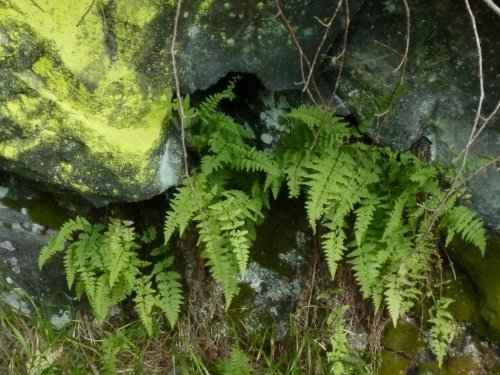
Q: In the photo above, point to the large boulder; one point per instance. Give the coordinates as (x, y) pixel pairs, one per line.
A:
(442, 91)
(85, 98)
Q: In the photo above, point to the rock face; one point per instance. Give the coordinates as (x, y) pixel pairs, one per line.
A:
(442, 92)
(218, 37)
(20, 242)
(85, 98)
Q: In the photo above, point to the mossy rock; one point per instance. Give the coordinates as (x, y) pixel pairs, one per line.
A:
(393, 363)
(484, 273)
(403, 338)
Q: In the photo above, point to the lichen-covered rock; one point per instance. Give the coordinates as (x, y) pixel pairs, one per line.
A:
(441, 82)
(84, 97)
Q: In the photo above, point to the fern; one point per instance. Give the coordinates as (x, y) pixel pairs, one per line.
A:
(442, 330)
(56, 243)
(237, 364)
(106, 267)
(462, 220)
(41, 362)
(144, 301)
(339, 352)
(110, 348)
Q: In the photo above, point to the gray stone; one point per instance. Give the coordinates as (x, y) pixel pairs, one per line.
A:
(441, 99)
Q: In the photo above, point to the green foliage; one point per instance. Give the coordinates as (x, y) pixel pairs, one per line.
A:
(375, 205)
(339, 352)
(232, 207)
(237, 364)
(442, 330)
(110, 348)
(106, 267)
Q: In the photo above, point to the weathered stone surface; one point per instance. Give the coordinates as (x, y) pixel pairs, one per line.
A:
(20, 242)
(218, 37)
(442, 73)
(84, 97)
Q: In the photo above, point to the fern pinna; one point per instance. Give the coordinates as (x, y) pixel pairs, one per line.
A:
(106, 267)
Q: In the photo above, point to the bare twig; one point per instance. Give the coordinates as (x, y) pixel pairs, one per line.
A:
(303, 57)
(493, 161)
(402, 64)
(85, 14)
(342, 54)
(493, 6)
(183, 115)
(320, 46)
(472, 136)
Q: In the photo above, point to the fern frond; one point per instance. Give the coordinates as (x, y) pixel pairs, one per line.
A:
(364, 216)
(56, 243)
(462, 220)
(144, 301)
(41, 362)
(442, 330)
(363, 265)
(393, 298)
(169, 298)
(99, 299)
(118, 241)
(237, 364)
(183, 209)
(334, 248)
(395, 219)
(241, 248)
(222, 262)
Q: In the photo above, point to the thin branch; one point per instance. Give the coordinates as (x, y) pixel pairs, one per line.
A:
(320, 46)
(343, 53)
(493, 161)
(402, 64)
(493, 6)
(303, 57)
(183, 115)
(455, 184)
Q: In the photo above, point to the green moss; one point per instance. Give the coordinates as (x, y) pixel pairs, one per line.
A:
(484, 274)
(404, 339)
(393, 364)
(41, 210)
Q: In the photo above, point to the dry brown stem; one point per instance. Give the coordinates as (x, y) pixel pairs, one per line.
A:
(183, 116)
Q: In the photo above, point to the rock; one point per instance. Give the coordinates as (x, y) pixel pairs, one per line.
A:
(393, 364)
(404, 339)
(20, 242)
(483, 272)
(220, 37)
(441, 89)
(85, 95)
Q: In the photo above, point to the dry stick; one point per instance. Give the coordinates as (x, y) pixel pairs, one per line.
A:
(493, 161)
(465, 151)
(402, 64)
(493, 6)
(183, 116)
(325, 34)
(344, 48)
(303, 56)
